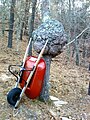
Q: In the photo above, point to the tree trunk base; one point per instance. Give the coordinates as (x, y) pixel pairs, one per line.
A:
(44, 95)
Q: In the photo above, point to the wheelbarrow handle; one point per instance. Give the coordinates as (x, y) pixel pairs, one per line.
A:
(9, 68)
(26, 53)
(22, 69)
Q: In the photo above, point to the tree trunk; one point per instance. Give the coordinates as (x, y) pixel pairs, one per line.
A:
(44, 96)
(45, 10)
(11, 24)
(69, 31)
(89, 67)
(26, 16)
(54, 9)
(77, 52)
(3, 12)
(3, 25)
(21, 30)
(31, 25)
(62, 12)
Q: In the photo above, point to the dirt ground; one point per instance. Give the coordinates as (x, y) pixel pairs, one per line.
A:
(68, 82)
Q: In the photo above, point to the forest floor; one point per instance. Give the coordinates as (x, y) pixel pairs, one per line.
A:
(68, 82)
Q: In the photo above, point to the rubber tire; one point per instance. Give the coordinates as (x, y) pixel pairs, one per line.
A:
(13, 96)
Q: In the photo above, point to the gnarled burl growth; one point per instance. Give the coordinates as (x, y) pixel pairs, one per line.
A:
(52, 30)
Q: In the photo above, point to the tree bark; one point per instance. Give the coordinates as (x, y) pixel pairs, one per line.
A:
(21, 31)
(44, 95)
(45, 10)
(54, 9)
(11, 24)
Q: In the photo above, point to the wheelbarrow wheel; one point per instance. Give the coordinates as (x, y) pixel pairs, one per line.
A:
(13, 96)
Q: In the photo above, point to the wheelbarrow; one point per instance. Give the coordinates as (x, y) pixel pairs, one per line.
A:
(30, 78)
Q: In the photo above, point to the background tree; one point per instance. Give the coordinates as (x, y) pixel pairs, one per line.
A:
(31, 24)
(11, 24)
(26, 16)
